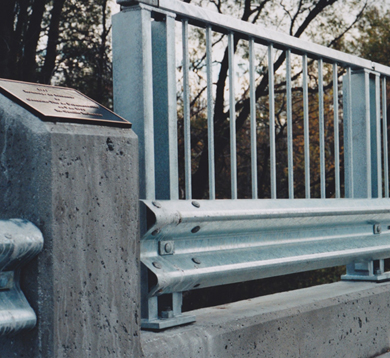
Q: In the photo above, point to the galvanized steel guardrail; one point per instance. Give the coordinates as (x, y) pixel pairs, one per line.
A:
(189, 244)
(20, 241)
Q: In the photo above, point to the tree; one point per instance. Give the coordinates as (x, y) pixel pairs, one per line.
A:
(374, 36)
(53, 41)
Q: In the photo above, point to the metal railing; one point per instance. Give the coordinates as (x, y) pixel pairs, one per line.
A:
(188, 244)
(20, 241)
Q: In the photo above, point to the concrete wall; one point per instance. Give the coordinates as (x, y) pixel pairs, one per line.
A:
(344, 319)
(79, 185)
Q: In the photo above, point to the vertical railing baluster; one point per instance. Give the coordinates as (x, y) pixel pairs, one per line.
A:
(306, 126)
(350, 184)
(368, 134)
(272, 120)
(385, 143)
(210, 117)
(252, 94)
(336, 130)
(322, 128)
(289, 127)
(187, 119)
(378, 134)
(232, 108)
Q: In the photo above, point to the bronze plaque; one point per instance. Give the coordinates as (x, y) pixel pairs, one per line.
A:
(52, 103)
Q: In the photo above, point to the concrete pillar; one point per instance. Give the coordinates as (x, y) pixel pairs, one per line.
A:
(79, 185)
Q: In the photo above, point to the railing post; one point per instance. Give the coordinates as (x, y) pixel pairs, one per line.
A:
(362, 153)
(133, 85)
(145, 86)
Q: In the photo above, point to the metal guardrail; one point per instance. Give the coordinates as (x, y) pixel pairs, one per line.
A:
(191, 244)
(20, 241)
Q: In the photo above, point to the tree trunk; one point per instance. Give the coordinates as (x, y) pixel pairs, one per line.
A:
(51, 49)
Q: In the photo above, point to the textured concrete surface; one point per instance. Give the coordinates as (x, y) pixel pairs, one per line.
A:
(79, 185)
(345, 319)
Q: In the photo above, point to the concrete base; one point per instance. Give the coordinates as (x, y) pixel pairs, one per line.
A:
(344, 319)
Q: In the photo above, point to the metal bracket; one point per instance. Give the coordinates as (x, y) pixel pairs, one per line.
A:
(20, 241)
(373, 270)
(168, 316)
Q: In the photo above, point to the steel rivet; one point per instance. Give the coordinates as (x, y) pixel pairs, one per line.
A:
(196, 204)
(156, 204)
(155, 232)
(157, 265)
(195, 229)
(196, 260)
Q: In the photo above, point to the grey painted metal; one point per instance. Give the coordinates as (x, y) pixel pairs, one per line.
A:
(357, 135)
(202, 16)
(321, 127)
(187, 118)
(336, 130)
(252, 94)
(242, 240)
(290, 149)
(218, 242)
(367, 137)
(232, 109)
(373, 270)
(376, 140)
(361, 127)
(210, 116)
(164, 108)
(134, 50)
(348, 138)
(271, 94)
(385, 139)
(306, 125)
(20, 241)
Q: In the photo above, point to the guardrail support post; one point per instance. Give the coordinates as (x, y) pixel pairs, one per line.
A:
(363, 174)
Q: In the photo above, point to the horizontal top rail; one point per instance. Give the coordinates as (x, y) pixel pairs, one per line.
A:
(202, 17)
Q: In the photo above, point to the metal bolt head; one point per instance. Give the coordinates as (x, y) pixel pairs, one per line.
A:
(195, 229)
(157, 204)
(377, 229)
(157, 265)
(196, 204)
(168, 247)
(196, 260)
